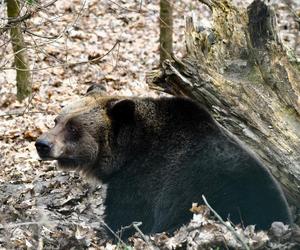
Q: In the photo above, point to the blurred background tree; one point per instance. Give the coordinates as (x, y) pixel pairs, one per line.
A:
(19, 48)
(166, 30)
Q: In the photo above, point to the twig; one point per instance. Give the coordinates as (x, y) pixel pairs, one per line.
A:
(65, 30)
(229, 227)
(120, 6)
(117, 58)
(295, 15)
(114, 234)
(43, 51)
(97, 59)
(145, 238)
(21, 113)
(12, 225)
(136, 227)
(41, 36)
(27, 15)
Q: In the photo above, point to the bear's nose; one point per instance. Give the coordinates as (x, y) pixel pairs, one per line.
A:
(43, 147)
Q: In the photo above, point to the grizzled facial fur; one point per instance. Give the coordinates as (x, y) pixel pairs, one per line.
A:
(82, 137)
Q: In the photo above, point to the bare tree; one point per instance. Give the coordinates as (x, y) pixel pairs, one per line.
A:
(19, 48)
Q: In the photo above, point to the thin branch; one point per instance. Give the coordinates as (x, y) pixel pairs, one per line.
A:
(34, 47)
(71, 65)
(27, 15)
(37, 35)
(94, 60)
(295, 15)
(48, 42)
(43, 51)
(229, 227)
(114, 234)
(129, 10)
(136, 227)
(21, 113)
(12, 225)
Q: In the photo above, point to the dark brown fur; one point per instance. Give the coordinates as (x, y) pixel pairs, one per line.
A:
(157, 157)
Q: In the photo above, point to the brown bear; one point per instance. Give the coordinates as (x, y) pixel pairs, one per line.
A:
(158, 156)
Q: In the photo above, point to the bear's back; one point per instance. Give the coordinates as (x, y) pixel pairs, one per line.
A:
(184, 155)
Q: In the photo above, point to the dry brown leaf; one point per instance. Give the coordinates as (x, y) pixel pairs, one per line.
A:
(32, 134)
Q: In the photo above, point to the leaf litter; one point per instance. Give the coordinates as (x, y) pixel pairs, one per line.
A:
(43, 207)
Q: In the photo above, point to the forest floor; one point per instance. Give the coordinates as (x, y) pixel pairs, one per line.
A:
(42, 207)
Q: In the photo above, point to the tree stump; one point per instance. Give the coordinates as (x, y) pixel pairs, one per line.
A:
(240, 71)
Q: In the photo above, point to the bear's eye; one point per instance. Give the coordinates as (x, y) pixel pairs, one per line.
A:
(72, 130)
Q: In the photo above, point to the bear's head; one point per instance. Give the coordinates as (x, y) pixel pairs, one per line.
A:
(90, 134)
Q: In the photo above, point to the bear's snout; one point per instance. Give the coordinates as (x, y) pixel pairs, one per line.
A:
(43, 147)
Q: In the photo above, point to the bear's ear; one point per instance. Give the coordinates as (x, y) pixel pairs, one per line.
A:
(121, 110)
(96, 88)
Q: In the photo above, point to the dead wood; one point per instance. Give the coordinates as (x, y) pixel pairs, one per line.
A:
(241, 72)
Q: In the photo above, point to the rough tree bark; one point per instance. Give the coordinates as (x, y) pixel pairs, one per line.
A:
(19, 48)
(241, 72)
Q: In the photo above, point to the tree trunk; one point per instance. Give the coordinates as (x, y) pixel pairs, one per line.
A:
(166, 30)
(240, 71)
(19, 48)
